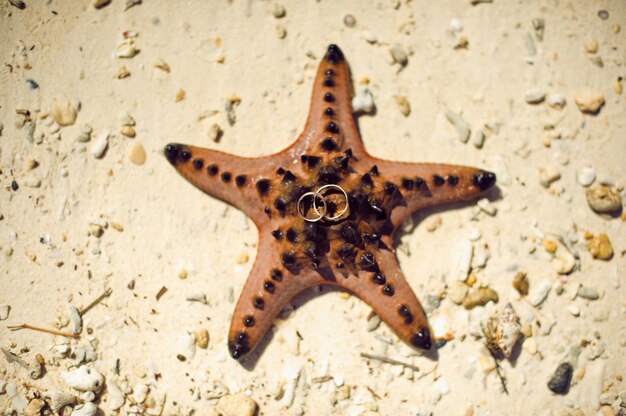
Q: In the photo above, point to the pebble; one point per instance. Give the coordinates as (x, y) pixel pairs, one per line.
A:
(236, 405)
(586, 176)
(456, 292)
(480, 297)
(83, 378)
(100, 145)
(32, 182)
(63, 113)
(591, 46)
(461, 126)
(279, 11)
(588, 293)
(520, 283)
(180, 95)
(116, 396)
(487, 207)
(99, 3)
(403, 105)
(462, 260)
(215, 133)
(4, 312)
(602, 199)
(202, 338)
(478, 139)
(140, 393)
(574, 309)
(76, 322)
(128, 131)
(556, 100)
(600, 247)
(399, 56)
(136, 153)
(534, 96)
(561, 379)
(349, 20)
(617, 87)
(603, 14)
(281, 31)
(373, 322)
(589, 101)
(59, 399)
(540, 293)
(186, 346)
(548, 174)
(85, 409)
(122, 72)
(363, 101)
(85, 134)
(33, 408)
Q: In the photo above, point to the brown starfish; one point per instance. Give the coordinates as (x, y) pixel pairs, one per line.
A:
(355, 251)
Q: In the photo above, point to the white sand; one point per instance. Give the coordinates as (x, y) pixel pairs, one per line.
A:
(169, 226)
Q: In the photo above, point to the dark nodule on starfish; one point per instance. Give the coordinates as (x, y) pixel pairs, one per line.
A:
(484, 180)
(240, 346)
(334, 54)
(174, 152)
(422, 339)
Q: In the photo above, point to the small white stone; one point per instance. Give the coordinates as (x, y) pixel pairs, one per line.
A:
(59, 399)
(530, 346)
(363, 101)
(461, 261)
(461, 126)
(548, 174)
(534, 96)
(4, 312)
(88, 396)
(116, 396)
(63, 113)
(556, 100)
(474, 234)
(75, 320)
(83, 378)
(586, 176)
(540, 293)
(369, 37)
(100, 145)
(338, 380)
(487, 207)
(478, 139)
(140, 393)
(186, 345)
(456, 25)
(574, 309)
(85, 409)
(442, 385)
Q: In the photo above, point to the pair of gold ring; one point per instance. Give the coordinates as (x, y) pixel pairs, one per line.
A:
(321, 195)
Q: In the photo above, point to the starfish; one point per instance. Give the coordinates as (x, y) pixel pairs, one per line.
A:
(354, 251)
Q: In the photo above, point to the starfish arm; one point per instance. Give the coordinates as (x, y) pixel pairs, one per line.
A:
(390, 296)
(267, 291)
(428, 184)
(232, 179)
(331, 121)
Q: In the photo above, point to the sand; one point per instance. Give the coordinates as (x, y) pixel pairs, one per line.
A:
(74, 225)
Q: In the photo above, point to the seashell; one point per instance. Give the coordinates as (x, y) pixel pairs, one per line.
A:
(85, 409)
(126, 49)
(59, 399)
(502, 331)
(83, 378)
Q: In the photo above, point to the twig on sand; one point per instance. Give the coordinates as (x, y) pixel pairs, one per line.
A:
(49, 331)
(389, 361)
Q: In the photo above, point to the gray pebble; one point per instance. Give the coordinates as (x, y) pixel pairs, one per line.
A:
(534, 96)
(560, 380)
(588, 293)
